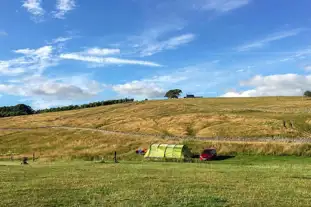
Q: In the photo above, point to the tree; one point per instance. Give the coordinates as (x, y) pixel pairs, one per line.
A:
(174, 93)
(307, 93)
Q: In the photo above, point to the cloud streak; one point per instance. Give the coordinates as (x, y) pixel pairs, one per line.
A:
(220, 5)
(102, 51)
(271, 38)
(151, 47)
(60, 40)
(106, 60)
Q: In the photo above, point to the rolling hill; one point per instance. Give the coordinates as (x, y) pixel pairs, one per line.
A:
(269, 117)
(209, 117)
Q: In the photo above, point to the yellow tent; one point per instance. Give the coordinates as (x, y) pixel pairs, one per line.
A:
(173, 151)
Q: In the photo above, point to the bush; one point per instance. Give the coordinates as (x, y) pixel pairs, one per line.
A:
(22, 109)
(18, 110)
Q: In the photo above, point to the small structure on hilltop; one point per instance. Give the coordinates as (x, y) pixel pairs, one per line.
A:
(192, 96)
(168, 151)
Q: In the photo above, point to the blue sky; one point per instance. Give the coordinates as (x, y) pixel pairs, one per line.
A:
(60, 52)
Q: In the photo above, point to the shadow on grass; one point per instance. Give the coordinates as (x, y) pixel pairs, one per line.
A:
(223, 157)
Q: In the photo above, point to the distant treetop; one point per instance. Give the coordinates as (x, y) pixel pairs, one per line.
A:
(307, 93)
(174, 93)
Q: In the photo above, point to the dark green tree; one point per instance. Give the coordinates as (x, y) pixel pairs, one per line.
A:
(174, 93)
(307, 93)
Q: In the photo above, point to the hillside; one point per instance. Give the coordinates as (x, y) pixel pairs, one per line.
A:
(209, 117)
(212, 117)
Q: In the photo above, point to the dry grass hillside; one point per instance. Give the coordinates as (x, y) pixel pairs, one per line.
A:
(80, 144)
(224, 117)
(208, 117)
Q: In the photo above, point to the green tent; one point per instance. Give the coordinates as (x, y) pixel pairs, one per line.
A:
(170, 151)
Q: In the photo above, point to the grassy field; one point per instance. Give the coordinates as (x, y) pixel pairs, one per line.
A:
(63, 174)
(207, 117)
(56, 144)
(239, 181)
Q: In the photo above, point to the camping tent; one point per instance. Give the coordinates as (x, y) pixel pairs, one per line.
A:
(170, 151)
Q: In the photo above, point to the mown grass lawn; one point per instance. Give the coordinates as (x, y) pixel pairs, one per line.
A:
(239, 181)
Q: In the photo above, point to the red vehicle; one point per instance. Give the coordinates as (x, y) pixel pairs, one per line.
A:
(208, 154)
(141, 151)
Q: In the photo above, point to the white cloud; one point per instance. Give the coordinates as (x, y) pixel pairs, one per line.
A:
(64, 6)
(3, 33)
(140, 88)
(220, 5)
(102, 51)
(307, 67)
(196, 79)
(37, 59)
(12, 67)
(274, 85)
(10, 89)
(32, 60)
(154, 46)
(42, 51)
(154, 87)
(34, 7)
(274, 37)
(43, 91)
(107, 60)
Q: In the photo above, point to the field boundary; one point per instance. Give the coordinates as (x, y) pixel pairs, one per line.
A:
(213, 139)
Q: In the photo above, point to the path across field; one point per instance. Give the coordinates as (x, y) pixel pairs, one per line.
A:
(226, 139)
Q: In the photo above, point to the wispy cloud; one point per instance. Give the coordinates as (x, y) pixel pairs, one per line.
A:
(102, 51)
(274, 37)
(151, 47)
(34, 7)
(3, 33)
(96, 51)
(60, 39)
(106, 60)
(32, 60)
(63, 7)
(220, 5)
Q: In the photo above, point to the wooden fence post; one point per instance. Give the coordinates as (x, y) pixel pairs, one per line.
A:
(115, 157)
(33, 157)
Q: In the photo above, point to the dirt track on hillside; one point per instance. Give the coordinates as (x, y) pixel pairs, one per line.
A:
(220, 139)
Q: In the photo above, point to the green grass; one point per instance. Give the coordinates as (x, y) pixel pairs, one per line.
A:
(246, 180)
(239, 181)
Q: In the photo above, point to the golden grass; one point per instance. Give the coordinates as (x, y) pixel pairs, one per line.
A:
(69, 144)
(208, 117)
